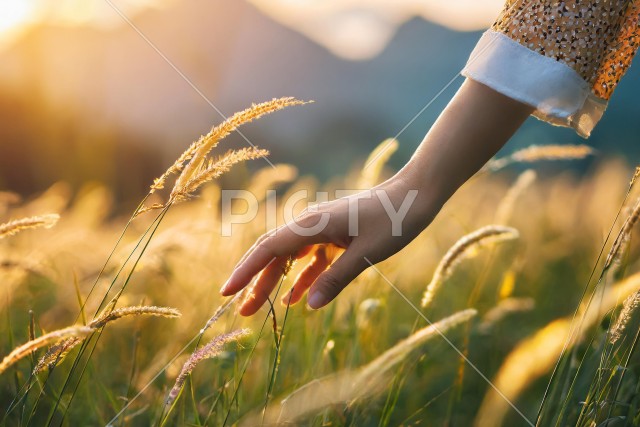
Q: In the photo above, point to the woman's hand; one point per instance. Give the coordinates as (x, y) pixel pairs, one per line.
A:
(369, 226)
(470, 130)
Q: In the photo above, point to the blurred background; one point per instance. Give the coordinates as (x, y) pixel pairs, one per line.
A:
(90, 89)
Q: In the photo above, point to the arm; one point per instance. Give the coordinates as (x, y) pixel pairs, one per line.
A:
(472, 128)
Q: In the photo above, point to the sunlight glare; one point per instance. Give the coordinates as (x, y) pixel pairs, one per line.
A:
(14, 14)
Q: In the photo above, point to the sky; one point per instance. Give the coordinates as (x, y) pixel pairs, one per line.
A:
(353, 29)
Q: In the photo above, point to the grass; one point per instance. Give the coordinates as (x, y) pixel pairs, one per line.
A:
(104, 318)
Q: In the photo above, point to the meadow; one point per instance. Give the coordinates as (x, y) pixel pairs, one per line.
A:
(521, 304)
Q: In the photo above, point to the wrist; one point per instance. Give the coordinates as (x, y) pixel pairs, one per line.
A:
(429, 199)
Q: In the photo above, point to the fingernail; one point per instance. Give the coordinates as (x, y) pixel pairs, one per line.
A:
(224, 288)
(286, 299)
(317, 300)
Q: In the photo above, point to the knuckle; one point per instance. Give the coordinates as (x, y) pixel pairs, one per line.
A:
(306, 215)
(261, 239)
(307, 219)
(265, 243)
(331, 283)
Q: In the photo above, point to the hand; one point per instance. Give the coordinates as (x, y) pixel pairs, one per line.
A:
(367, 227)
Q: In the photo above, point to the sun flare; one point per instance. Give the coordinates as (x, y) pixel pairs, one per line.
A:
(14, 16)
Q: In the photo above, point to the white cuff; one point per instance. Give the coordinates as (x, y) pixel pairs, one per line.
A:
(559, 95)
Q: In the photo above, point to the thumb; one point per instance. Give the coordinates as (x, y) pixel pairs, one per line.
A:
(333, 280)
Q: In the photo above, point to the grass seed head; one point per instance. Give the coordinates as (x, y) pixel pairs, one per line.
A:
(213, 169)
(189, 164)
(505, 208)
(628, 308)
(636, 173)
(44, 340)
(111, 315)
(622, 239)
(210, 350)
(535, 153)
(464, 248)
(56, 353)
(40, 221)
(379, 157)
(503, 309)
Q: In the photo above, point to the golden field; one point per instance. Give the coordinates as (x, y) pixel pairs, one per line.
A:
(140, 302)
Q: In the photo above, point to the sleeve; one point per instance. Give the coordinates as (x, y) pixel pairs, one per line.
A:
(564, 58)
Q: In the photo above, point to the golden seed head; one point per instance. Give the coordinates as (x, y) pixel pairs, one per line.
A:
(33, 345)
(110, 315)
(464, 248)
(535, 153)
(212, 349)
(195, 169)
(41, 221)
(613, 257)
(56, 353)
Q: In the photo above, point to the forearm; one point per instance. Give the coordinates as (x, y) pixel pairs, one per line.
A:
(471, 129)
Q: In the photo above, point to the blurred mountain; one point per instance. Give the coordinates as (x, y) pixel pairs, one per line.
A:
(361, 29)
(81, 103)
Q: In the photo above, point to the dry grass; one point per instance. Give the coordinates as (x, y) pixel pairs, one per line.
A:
(503, 309)
(193, 166)
(375, 163)
(349, 386)
(110, 315)
(508, 203)
(629, 306)
(17, 225)
(56, 353)
(464, 248)
(623, 236)
(213, 169)
(537, 355)
(536, 153)
(212, 349)
(364, 360)
(29, 347)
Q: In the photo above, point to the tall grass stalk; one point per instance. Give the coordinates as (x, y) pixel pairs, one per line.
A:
(502, 216)
(217, 314)
(632, 349)
(611, 259)
(561, 363)
(249, 357)
(534, 356)
(508, 202)
(614, 358)
(134, 367)
(348, 386)
(623, 237)
(22, 396)
(195, 173)
(210, 350)
(278, 338)
(153, 227)
(119, 313)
